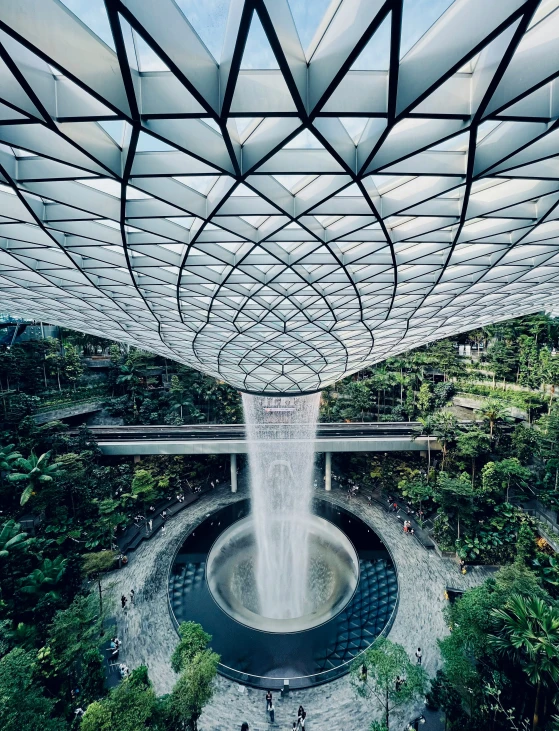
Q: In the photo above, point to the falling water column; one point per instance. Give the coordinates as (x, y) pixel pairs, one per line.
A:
(281, 434)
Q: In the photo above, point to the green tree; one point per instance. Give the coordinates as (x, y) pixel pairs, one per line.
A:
(143, 485)
(193, 640)
(470, 661)
(549, 372)
(54, 360)
(426, 428)
(193, 690)
(456, 498)
(446, 427)
(386, 663)
(528, 632)
(96, 564)
(445, 357)
(492, 411)
(473, 443)
(417, 490)
(359, 393)
(131, 706)
(72, 365)
(425, 398)
(198, 666)
(129, 377)
(503, 360)
(23, 704)
(497, 478)
(180, 398)
(72, 632)
(444, 696)
(45, 580)
(36, 471)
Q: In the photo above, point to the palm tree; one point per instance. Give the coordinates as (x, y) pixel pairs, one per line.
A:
(493, 410)
(401, 379)
(426, 428)
(129, 376)
(44, 580)
(528, 632)
(36, 471)
(446, 425)
(180, 400)
(8, 458)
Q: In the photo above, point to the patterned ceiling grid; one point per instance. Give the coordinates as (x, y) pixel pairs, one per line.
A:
(279, 227)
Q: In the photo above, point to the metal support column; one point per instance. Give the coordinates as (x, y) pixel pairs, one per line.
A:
(328, 471)
(233, 473)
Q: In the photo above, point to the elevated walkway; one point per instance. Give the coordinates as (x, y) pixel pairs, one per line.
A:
(231, 439)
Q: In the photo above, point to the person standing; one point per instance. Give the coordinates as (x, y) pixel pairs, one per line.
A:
(163, 529)
(268, 700)
(419, 655)
(244, 727)
(123, 601)
(132, 596)
(272, 711)
(150, 524)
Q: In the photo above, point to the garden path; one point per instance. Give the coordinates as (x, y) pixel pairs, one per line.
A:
(149, 637)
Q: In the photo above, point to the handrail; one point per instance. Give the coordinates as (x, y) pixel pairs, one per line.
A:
(315, 678)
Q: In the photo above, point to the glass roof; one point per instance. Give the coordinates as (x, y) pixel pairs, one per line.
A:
(279, 193)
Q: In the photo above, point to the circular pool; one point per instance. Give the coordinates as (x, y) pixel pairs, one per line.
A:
(332, 577)
(352, 601)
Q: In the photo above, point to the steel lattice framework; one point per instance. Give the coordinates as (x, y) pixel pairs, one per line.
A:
(281, 227)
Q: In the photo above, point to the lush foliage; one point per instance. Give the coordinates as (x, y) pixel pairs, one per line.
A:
(65, 507)
(384, 675)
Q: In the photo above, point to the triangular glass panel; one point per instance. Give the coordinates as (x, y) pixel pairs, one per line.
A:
(354, 126)
(148, 143)
(200, 183)
(305, 140)
(307, 17)
(148, 60)
(115, 130)
(417, 17)
(93, 14)
(209, 20)
(376, 54)
(258, 53)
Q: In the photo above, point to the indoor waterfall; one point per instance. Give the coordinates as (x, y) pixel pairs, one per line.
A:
(280, 434)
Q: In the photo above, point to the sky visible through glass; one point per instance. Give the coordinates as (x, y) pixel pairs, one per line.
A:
(209, 19)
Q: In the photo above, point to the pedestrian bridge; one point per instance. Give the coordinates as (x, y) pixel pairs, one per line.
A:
(139, 441)
(231, 438)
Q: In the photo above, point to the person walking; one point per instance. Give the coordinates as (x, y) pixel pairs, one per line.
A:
(150, 524)
(419, 655)
(268, 700)
(123, 601)
(163, 529)
(132, 596)
(244, 727)
(272, 711)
